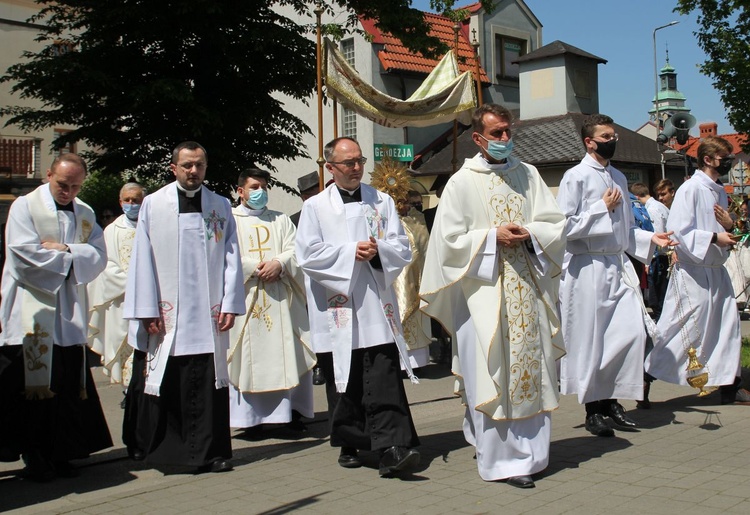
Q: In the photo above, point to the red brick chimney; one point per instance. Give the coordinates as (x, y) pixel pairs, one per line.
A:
(708, 129)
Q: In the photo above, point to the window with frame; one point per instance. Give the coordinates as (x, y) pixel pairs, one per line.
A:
(69, 148)
(507, 50)
(348, 117)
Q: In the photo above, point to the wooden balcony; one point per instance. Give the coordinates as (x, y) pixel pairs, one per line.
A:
(19, 157)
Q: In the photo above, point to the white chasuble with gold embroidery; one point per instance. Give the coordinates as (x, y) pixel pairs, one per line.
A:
(269, 346)
(108, 330)
(417, 328)
(506, 296)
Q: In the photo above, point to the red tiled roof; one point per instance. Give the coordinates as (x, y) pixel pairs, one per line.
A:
(691, 147)
(396, 57)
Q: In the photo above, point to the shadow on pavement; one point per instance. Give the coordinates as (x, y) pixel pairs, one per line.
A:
(289, 507)
(569, 453)
(666, 413)
(104, 470)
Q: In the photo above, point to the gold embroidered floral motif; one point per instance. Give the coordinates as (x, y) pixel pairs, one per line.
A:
(86, 229)
(36, 351)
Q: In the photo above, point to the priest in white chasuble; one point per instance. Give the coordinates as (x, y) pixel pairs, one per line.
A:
(700, 316)
(184, 289)
(491, 278)
(391, 178)
(108, 330)
(49, 408)
(604, 318)
(351, 247)
(270, 355)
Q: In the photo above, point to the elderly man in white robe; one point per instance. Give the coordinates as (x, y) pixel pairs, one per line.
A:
(351, 246)
(49, 407)
(185, 289)
(270, 356)
(604, 319)
(496, 251)
(700, 326)
(108, 330)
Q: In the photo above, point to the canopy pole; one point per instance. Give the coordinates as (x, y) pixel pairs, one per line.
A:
(477, 76)
(319, 56)
(454, 160)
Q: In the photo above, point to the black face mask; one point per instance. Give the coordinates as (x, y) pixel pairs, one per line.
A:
(606, 149)
(417, 206)
(725, 165)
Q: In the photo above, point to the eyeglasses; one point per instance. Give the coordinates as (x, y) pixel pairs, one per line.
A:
(187, 166)
(609, 137)
(350, 163)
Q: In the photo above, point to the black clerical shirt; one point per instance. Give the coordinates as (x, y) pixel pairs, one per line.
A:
(189, 204)
(356, 196)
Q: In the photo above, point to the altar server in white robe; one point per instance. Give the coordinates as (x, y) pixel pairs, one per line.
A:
(108, 330)
(270, 356)
(49, 407)
(185, 287)
(351, 246)
(699, 308)
(491, 278)
(603, 315)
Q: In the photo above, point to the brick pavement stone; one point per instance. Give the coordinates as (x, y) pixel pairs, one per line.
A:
(691, 457)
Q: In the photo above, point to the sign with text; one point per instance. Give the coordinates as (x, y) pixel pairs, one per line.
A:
(395, 152)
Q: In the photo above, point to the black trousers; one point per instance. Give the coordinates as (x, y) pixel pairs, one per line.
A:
(188, 423)
(62, 428)
(373, 413)
(658, 279)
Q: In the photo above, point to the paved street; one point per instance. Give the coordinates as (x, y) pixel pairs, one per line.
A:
(692, 456)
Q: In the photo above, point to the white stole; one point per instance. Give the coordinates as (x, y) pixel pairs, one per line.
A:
(165, 239)
(330, 212)
(38, 308)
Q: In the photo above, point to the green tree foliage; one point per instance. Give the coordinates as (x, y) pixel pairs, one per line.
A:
(144, 75)
(724, 35)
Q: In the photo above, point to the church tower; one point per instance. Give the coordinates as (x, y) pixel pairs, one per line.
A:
(670, 100)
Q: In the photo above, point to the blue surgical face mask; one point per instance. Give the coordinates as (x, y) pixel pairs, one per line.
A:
(498, 150)
(131, 211)
(257, 199)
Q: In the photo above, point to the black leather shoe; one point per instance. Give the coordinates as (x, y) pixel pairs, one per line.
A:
(521, 481)
(597, 426)
(618, 416)
(349, 459)
(645, 403)
(216, 466)
(65, 469)
(318, 377)
(37, 468)
(136, 454)
(398, 459)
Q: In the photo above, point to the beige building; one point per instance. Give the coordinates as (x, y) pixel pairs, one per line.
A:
(24, 157)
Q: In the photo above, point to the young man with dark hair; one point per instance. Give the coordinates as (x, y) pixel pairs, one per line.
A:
(270, 354)
(600, 297)
(699, 309)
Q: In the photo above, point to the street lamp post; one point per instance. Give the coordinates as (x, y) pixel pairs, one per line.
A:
(656, 93)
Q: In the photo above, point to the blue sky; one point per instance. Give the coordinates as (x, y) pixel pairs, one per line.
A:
(622, 33)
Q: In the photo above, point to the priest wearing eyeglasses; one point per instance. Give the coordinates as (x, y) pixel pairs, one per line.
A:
(352, 247)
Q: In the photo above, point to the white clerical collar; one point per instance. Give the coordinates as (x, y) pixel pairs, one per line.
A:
(251, 212)
(188, 193)
(129, 223)
(494, 166)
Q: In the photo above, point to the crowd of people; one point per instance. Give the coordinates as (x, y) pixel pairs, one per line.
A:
(213, 317)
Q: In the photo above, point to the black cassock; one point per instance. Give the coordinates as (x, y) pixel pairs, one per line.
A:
(188, 423)
(373, 413)
(62, 428)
